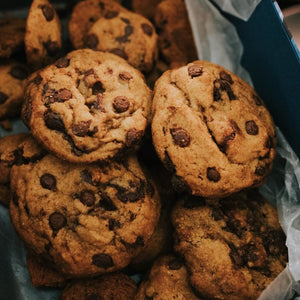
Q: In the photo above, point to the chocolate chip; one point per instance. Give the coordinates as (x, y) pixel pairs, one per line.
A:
(111, 14)
(48, 181)
(121, 104)
(191, 202)
(258, 101)
(251, 128)
(180, 137)
(81, 128)
(19, 72)
(237, 260)
(125, 76)
(102, 261)
(133, 137)
(147, 29)
(225, 76)
(52, 48)
(62, 62)
(212, 174)
(195, 71)
(119, 52)
(86, 176)
(37, 79)
(57, 221)
(175, 264)
(217, 214)
(106, 203)
(3, 97)
(222, 85)
(91, 41)
(53, 121)
(98, 88)
(63, 95)
(48, 12)
(87, 197)
(125, 195)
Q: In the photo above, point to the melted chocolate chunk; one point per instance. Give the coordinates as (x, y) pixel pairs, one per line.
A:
(222, 85)
(125, 76)
(225, 76)
(130, 196)
(3, 97)
(106, 203)
(195, 71)
(57, 221)
(102, 260)
(62, 62)
(121, 104)
(119, 52)
(81, 128)
(212, 174)
(87, 197)
(251, 128)
(91, 41)
(98, 88)
(48, 181)
(19, 72)
(175, 264)
(133, 137)
(236, 259)
(63, 95)
(180, 137)
(86, 176)
(147, 29)
(111, 14)
(48, 12)
(53, 121)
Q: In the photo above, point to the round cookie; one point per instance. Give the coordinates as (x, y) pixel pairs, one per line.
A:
(86, 220)
(43, 34)
(116, 286)
(233, 247)
(8, 146)
(211, 130)
(167, 279)
(175, 39)
(12, 84)
(128, 35)
(88, 106)
(12, 31)
(85, 14)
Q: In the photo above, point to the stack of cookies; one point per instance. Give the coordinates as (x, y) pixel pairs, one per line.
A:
(115, 179)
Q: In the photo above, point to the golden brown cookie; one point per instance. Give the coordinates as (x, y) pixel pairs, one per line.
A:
(233, 247)
(126, 34)
(42, 274)
(176, 42)
(88, 106)
(85, 219)
(167, 279)
(211, 130)
(12, 84)
(85, 14)
(12, 31)
(116, 286)
(43, 34)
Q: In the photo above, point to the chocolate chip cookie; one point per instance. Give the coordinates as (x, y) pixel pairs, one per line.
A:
(234, 247)
(85, 219)
(43, 34)
(8, 149)
(211, 130)
(126, 34)
(168, 279)
(12, 84)
(117, 286)
(85, 14)
(42, 274)
(88, 106)
(176, 42)
(12, 31)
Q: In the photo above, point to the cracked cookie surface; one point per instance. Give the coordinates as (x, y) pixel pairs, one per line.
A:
(86, 220)
(167, 279)
(43, 34)
(128, 35)
(88, 106)
(211, 130)
(233, 247)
